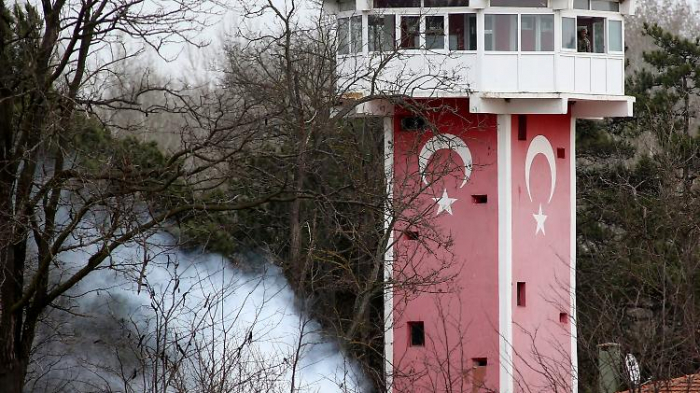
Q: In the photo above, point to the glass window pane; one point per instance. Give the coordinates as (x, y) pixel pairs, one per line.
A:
(462, 31)
(599, 35)
(410, 32)
(537, 33)
(605, 5)
(518, 3)
(396, 3)
(347, 5)
(581, 4)
(615, 33)
(568, 33)
(356, 34)
(343, 36)
(447, 3)
(501, 32)
(382, 32)
(434, 32)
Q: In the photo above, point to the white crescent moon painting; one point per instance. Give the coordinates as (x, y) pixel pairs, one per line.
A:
(449, 142)
(540, 145)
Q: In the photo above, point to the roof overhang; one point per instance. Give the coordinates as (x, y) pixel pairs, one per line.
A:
(584, 106)
(581, 106)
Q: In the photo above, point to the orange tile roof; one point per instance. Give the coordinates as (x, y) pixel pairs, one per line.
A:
(685, 384)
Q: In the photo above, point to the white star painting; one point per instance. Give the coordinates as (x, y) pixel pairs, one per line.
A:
(540, 218)
(444, 203)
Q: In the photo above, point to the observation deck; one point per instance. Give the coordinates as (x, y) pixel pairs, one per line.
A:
(506, 56)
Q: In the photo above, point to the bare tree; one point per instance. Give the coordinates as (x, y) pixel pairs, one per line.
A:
(53, 189)
(273, 141)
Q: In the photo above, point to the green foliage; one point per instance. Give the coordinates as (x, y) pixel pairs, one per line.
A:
(638, 238)
(666, 92)
(95, 145)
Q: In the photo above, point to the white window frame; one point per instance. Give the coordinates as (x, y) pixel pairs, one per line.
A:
(575, 48)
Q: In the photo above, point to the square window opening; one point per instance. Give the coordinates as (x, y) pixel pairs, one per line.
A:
(416, 334)
(561, 152)
(590, 33)
(462, 31)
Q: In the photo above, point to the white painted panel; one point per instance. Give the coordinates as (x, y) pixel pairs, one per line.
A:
(405, 73)
(460, 68)
(347, 73)
(566, 74)
(583, 74)
(598, 75)
(500, 73)
(399, 75)
(536, 73)
(616, 76)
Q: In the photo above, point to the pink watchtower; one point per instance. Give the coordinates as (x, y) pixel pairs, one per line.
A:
(492, 90)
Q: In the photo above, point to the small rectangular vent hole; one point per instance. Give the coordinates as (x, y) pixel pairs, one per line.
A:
(478, 374)
(480, 198)
(522, 127)
(412, 235)
(415, 123)
(564, 317)
(521, 296)
(561, 152)
(480, 362)
(417, 334)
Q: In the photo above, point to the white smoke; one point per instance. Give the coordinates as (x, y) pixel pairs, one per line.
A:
(157, 319)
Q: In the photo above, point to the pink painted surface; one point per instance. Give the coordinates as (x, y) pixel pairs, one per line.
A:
(541, 342)
(459, 307)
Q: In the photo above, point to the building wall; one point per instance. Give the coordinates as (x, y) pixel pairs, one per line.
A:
(459, 306)
(542, 255)
(449, 267)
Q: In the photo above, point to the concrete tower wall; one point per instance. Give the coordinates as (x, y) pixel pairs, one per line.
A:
(542, 255)
(482, 238)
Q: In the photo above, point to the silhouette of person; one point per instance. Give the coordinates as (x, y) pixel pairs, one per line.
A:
(584, 43)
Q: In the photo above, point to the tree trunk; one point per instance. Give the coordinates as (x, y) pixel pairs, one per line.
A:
(295, 239)
(13, 359)
(12, 375)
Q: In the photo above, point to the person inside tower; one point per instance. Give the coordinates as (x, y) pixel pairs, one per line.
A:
(584, 43)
